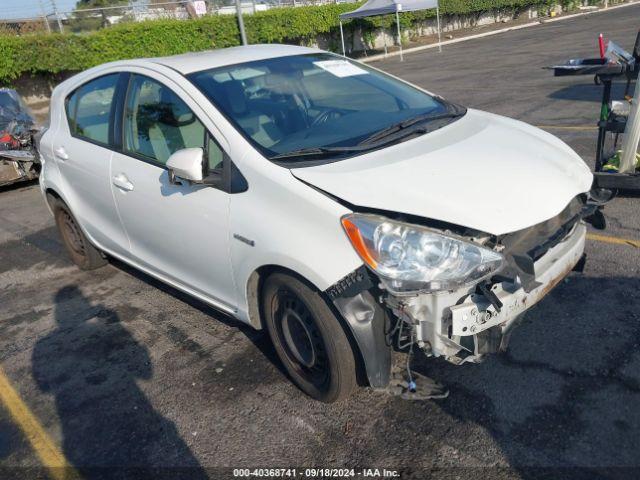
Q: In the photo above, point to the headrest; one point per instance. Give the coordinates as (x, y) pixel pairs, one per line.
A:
(175, 112)
(236, 100)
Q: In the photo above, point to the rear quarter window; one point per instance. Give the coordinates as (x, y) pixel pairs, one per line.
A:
(89, 108)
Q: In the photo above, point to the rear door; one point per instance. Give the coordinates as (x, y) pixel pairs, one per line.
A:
(82, 149)
(178, 232)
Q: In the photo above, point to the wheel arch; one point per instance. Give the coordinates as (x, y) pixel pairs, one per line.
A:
(51, 195)
(53, 191)
(254, 286)
(254, 289)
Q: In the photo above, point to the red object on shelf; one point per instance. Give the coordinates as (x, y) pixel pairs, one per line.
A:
(601, 45)
(8, 142)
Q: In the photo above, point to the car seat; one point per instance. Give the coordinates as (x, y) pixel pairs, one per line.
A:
(257, 125)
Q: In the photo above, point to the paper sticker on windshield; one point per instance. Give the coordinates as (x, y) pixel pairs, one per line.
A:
(340, 68)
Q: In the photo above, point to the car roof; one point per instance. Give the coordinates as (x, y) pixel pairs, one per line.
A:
(192, 62)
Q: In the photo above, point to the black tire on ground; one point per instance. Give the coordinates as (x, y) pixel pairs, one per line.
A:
(78, 246)
(308, 338)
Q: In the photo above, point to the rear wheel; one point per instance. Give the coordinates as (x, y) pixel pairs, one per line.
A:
(308, 338)
(82, 253)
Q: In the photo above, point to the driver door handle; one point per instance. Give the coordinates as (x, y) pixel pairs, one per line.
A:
(121, 181)
(61, 153)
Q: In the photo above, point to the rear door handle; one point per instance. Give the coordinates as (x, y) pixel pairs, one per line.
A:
(121, 181)
(61, 153)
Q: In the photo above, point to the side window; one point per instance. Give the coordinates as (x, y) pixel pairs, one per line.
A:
(157, 122)
(215, 155)
(89, 108)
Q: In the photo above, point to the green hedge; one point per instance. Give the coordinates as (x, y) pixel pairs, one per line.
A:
(55, 53)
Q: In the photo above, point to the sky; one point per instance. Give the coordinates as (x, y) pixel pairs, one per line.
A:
(31, 8)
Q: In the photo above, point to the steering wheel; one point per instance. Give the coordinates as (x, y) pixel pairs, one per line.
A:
(330, 114)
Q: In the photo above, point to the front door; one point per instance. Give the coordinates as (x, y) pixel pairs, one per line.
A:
(178, 232)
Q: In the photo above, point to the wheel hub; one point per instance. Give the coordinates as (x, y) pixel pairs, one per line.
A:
(298, 338)
(73, 234)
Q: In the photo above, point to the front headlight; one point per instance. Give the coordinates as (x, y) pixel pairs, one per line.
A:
(410, 258)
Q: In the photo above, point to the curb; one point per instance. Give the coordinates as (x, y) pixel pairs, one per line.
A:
(382, 56)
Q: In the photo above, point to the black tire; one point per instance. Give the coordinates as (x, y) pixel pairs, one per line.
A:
(308, 338)
(78, 246)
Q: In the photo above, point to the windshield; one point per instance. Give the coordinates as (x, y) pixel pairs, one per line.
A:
(299, 106)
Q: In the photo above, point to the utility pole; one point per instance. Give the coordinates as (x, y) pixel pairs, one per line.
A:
(57, 14)
(44, 16)
(243, 35)
(131, 10)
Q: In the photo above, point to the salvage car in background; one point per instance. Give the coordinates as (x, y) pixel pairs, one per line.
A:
(18, 156)
(338, 207)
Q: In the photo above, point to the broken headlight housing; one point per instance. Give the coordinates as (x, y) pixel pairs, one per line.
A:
(410, 258)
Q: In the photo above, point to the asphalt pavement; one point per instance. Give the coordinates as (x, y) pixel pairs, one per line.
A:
(123, 371)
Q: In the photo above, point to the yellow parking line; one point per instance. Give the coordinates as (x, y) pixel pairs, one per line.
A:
(52, 458)
(616, 240)
(568, 127)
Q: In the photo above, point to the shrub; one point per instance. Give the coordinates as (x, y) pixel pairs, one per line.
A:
(55, 52)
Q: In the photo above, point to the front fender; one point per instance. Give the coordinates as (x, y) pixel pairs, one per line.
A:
(283, 223)
(368, 322)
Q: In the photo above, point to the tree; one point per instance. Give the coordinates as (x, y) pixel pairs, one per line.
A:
(81, 4)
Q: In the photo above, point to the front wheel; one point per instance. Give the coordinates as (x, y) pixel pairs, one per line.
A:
(308, 339)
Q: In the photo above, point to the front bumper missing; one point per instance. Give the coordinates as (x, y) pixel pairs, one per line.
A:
(460, 325)
(477, 314)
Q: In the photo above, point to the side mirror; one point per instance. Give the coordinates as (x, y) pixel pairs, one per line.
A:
(186, 164)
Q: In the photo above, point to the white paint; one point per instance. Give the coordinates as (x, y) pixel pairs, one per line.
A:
(483, 171)
(187, 164)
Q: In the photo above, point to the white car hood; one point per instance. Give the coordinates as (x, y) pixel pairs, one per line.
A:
(483, 171)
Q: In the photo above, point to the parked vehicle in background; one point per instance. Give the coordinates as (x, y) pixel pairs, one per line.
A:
(18, 156)
(336, 206)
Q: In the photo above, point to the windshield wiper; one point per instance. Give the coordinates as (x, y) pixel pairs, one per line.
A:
(405, 124)
(312, 152)
(379, 139)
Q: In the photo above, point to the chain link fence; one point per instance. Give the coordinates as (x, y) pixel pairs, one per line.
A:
(91, 19)
(22, 26)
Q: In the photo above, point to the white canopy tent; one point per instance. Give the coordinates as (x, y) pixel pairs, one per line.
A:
(384, 7)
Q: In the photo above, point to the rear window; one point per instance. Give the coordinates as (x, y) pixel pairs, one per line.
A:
(89, 109)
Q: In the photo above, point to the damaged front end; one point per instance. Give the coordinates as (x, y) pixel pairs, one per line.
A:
(460, 320)
(18, 155)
